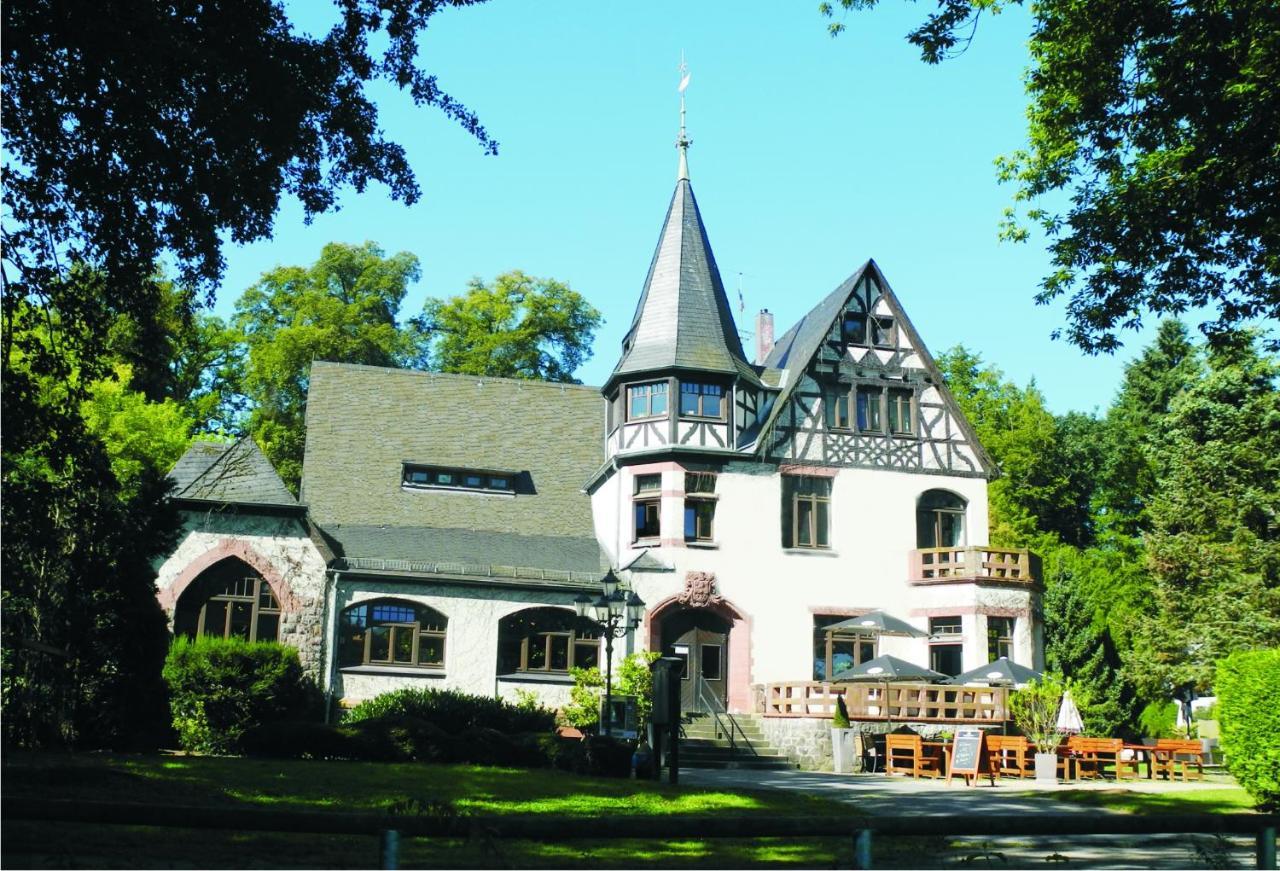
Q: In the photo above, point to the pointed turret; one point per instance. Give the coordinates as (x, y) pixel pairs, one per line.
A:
(683, 319)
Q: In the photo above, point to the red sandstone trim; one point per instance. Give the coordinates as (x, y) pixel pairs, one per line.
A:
(810, 471)
(741, 664)
(839, 612)
(229, 548)
(984, 610)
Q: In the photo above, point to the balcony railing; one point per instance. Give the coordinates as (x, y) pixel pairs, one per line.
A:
(950, 565)
(899, 702)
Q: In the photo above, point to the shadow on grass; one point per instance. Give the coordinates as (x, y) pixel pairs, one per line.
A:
(1202, 801)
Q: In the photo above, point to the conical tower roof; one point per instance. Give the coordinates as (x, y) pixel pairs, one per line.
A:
(683, 319)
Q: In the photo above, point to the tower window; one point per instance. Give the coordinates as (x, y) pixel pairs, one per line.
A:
(647, 400)
(699, 506)
(701, 400)
(647, 508)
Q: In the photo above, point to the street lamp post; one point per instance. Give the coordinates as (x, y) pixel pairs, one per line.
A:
(615, 612)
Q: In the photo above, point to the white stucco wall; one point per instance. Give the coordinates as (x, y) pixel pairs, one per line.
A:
(873, 530)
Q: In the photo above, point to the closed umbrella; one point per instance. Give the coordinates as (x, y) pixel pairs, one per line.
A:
(1069, 716)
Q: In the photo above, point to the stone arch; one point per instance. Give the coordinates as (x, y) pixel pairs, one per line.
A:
(229, 548)
(740, 664)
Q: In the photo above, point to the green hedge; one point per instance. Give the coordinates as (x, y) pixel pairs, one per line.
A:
(455, 712)
(219, 688)
(1248, 687)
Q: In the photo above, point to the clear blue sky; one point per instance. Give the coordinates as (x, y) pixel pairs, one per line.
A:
(810, 155)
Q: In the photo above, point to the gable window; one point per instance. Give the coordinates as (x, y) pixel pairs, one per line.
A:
(939, 519)
(882, 334)
(546, 640)
(836, 652)
(837, 408)
(230, 600)
(392, 632)
(699, 506)
(946, 648)
(853, 328)
(647, 400)
(415, 477)
(647, 507)
(701, 400)
(901, 420)
(999, 638)
(870, 418)
(806, 512)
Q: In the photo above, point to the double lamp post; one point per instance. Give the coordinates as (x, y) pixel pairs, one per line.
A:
(615, 613)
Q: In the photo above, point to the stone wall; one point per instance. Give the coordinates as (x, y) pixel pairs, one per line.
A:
(805, 741)
(278, 547)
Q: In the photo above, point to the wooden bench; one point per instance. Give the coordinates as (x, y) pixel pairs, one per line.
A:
(1092, 755)
(1173, 758)
(905, 754)
(1011, 755)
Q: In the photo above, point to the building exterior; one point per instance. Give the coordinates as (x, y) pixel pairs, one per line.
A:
(447, 522)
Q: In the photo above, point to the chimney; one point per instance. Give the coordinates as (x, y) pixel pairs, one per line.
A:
(764, 335)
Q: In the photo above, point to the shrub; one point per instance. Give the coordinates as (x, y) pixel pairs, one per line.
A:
(302, 739)
(840, 719)
(1247, 685)
(1035, 712)
(220, 688)
(1159, 720)
(633, 678)
(455, 712)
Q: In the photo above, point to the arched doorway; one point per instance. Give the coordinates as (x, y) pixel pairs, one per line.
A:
(700, 637)
(230, 599)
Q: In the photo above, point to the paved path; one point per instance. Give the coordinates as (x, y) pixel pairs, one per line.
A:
(877, 794)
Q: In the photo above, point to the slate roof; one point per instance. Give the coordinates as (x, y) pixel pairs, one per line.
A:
(683, 319)
(234, 472)
(364, 423)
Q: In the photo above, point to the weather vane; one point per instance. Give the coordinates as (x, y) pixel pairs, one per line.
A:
(683, 142)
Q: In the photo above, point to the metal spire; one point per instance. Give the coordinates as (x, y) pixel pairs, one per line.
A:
(683, 142)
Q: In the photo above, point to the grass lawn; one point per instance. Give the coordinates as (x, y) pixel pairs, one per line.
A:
(367, 786)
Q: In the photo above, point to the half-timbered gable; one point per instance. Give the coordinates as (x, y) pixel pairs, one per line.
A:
(861, 390)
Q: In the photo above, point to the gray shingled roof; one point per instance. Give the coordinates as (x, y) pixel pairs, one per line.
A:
(364, 423)
(683, 319)
(229, 472)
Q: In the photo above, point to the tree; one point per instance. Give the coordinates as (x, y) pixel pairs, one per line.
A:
(1126, 480)
(1160, 122)
(1038, 493)
(137, 132)
(517, 327)
(140, 437)
(1214, 545)
(343, 309)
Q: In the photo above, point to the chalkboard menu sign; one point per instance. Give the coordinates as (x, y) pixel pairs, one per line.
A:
(968, 756)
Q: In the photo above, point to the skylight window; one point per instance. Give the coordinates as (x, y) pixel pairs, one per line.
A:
(417, 477)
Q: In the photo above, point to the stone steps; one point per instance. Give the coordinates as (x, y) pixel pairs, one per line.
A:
(703, 746)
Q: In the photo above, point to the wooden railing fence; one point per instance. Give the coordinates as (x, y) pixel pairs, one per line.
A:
(899, 702)
(943, 564)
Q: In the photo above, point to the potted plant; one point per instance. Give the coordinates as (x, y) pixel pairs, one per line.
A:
(1035, 713)
(842, 750)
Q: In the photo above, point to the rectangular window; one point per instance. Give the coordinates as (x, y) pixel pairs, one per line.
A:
(882, 331)
(999, 638)
(710, 656)
(853, 329)
(647, 400)
(699, 519)
(701, 400)
(699, 506)
(846, 650)
(901, 421)
(806, 511)
(942, 626)
(869, 416)
(946, 658)
(647, 519)
(837, 408)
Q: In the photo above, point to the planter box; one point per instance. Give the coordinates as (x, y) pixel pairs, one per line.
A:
(844, 751)
(1046, 768)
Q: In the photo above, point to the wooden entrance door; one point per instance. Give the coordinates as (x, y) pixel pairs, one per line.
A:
(701, 639)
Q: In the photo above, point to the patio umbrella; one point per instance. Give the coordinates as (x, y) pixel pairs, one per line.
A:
(877, 623)
(885, 668)
(1002, 672)
(1069, 715)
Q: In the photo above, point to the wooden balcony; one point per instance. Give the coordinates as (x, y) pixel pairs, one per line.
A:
(962, 565)
(899, 702)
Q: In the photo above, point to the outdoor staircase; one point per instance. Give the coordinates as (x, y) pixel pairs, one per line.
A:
(702, 745)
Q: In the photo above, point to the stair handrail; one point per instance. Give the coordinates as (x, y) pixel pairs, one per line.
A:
(717, 710)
